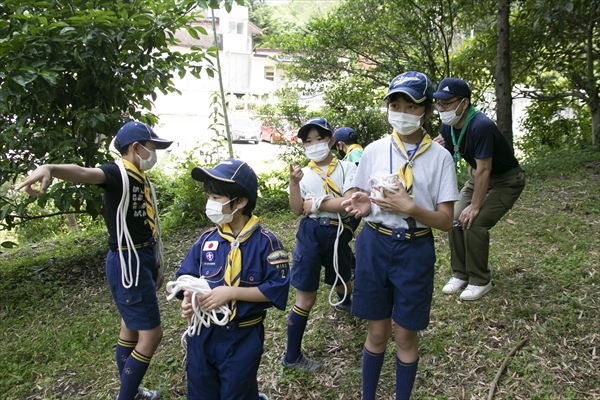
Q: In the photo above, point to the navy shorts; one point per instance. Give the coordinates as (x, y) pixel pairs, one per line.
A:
(394, 278)
(223, 364)
(314, 248)
(137, 305)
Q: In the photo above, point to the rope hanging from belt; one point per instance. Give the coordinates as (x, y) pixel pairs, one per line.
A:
(340, 229)
(126, 168)
(198, 287)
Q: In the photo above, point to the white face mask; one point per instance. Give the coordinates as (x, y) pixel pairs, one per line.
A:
(403, 123)
(214, 212)
(449, 117)
(318, 152)
(149, 162)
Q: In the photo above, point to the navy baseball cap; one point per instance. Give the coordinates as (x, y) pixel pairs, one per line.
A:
(344, 134)
(415, 84)
(451, 87)
(138, 132)
(233, 171)
(308, 125)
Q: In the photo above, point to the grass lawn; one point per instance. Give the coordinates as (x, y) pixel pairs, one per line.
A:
(59, 325)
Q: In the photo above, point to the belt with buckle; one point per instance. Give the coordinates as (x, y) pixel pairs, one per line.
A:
(150, 242)
(247, 322)
(400, 233)
(327, 221)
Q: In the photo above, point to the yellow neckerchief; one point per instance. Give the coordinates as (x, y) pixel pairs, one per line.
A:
(354, 146)
(329, 185)
(142, 178)
(405, 171)
(233, 270)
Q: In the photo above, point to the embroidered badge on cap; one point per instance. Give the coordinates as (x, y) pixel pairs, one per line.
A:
(278, 257)
(210, 245)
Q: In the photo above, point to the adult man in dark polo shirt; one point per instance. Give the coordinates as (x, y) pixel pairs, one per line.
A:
(495, 182)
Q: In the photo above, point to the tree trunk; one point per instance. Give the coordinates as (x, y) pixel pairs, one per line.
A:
(503, 84)
(595, 111)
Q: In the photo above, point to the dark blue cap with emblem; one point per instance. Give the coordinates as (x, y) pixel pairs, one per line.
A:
(135, 131)
(452, 87)
(311, 123)
(414, 84)
(231, 170)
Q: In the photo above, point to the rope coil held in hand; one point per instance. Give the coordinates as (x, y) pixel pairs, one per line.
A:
(198, 287)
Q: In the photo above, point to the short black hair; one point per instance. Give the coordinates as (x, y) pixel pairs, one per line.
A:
(428, 103)
(232, 191)
(322, 132)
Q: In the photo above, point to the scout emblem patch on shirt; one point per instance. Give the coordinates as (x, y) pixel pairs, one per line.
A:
(208, 250)
(278, 257)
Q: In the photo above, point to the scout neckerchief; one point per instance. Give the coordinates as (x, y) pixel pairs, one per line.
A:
(233, 270)
(354, 146)
(456, 143)
(142, 178)
(405, 171)
(328, 183)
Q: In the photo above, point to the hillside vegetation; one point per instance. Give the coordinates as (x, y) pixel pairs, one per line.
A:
(59, 325)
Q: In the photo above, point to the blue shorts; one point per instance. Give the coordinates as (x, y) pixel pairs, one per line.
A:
(137, 305)
(223, 364)
(394, 278)
(314, 248)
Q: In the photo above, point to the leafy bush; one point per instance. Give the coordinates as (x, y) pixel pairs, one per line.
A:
(554, 125)
(272, 191)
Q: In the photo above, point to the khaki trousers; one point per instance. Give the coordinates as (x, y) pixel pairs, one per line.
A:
(469, 248)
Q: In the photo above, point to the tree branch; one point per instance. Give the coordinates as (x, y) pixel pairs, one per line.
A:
(503, 366)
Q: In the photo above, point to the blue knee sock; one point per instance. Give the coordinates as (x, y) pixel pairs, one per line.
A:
(405, 378)
(133, 372)
(124, 349)
(371, 369)
(295, 331)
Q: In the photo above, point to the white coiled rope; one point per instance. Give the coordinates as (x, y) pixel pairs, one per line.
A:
(340, 229)
(385, 184)
(123, 233)
(198, 287)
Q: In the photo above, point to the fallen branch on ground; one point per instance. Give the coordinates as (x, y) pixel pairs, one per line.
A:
(502, 367)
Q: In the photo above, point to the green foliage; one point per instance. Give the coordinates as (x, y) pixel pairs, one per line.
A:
(273, 197)
(560, 124)
(72, 73)
(181, 199)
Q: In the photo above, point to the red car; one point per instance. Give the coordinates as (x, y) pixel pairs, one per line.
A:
(279, 134)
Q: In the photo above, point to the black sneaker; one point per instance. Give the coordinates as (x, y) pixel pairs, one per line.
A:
(303, 364)
(346, 305)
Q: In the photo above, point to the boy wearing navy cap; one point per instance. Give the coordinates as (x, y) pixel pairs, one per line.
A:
(347, 145)
(316, 193)
(406, 187)
(134, 261)
(247, 269)
(495, 182)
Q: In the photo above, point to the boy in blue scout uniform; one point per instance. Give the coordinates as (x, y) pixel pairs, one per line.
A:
(412, 186)
(316, 193)
(135, 230)
(246, 267)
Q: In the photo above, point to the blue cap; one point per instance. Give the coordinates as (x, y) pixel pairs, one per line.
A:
(415, 84)
(344, 134)
(139, 132)
(233, 171)
(322, 122)
(451, 87)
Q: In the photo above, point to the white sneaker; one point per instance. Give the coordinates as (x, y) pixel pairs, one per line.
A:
(454, 285)
(473, 292)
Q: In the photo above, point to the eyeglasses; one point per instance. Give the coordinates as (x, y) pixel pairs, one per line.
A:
(443, 105)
